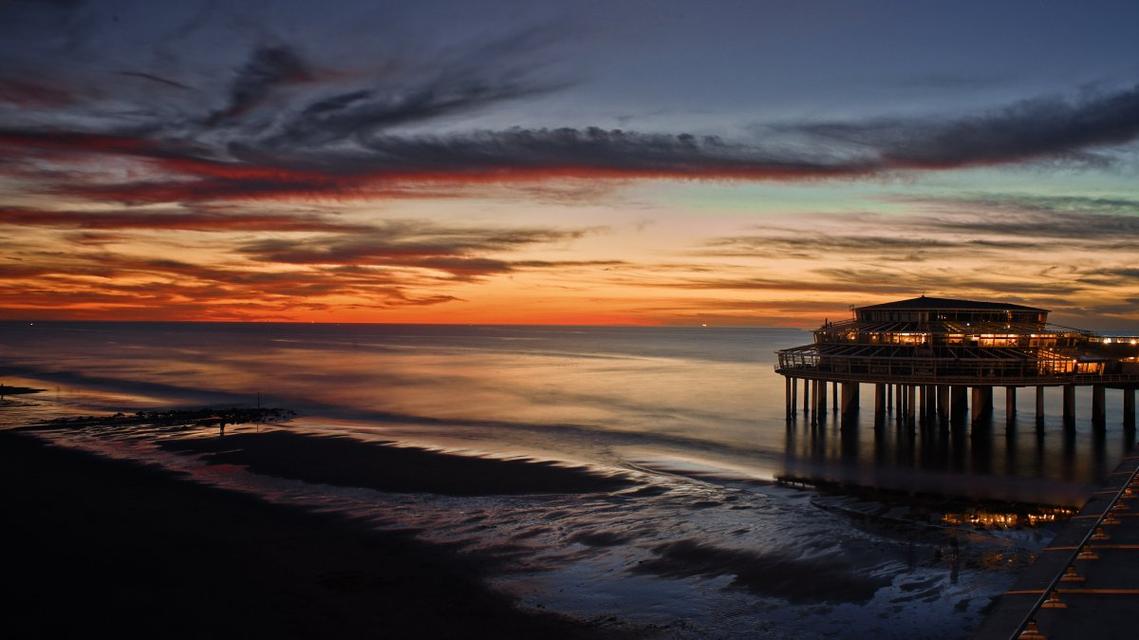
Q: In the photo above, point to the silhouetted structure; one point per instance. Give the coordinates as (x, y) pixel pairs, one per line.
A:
(923, 355)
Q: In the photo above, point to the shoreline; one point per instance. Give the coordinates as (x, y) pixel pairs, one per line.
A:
(135, 549)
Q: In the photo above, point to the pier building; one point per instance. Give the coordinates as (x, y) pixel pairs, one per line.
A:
(939, 360)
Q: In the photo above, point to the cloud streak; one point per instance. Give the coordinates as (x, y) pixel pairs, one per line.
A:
(353, 142)
(1024, 131)
(178, 220)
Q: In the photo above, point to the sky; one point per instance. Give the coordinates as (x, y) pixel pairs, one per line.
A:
(621, 162)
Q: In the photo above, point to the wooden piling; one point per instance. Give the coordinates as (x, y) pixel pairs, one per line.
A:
(1010, 405)
(1099, 416)
(787, 396)
(794, 395)
(911, 402)
(806, 396)
(958, 404)
(849, 398)
(821, 400)
(1069, 405)
(982, 404)
(879, 403)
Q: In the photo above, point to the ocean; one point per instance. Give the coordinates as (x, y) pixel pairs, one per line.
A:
(883, 532)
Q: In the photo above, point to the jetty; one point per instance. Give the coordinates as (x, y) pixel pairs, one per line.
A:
(940, 360)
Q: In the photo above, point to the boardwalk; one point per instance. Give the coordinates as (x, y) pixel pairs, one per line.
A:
(1086, 583)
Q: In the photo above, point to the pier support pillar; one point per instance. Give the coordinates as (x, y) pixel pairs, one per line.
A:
(982, 404)
(958, 404)
(911, 402)
(821, 400)
(806, 396)
(1010, 405)
(814, 393)
(834, 396)
(1039, 405)
(889, 397)
(849, 398)
(787, 396)
(899, 403)
(1099, 417)
(880, 396)
(943, 404)
(794, 395)
(1129, 407)
(923, 402)
(1069, 405)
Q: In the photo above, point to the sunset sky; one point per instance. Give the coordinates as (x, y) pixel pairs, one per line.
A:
(636, 162)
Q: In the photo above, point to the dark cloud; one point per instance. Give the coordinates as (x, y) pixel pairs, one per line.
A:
(996, 286)
(28, 93)
(341, 144)
(595, 152)
(155, 78)
(951, 81)
(814, 245)
(1111, 276)
(346, 134)
(268, 68)
(357, 113)
(1028, 130)
(458, 252)
(192, 220)
(856, 285)
(1075, 219)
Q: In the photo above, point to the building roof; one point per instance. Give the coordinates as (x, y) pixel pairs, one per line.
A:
(923, 303)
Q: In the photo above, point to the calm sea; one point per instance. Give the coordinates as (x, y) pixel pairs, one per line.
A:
(696, 412)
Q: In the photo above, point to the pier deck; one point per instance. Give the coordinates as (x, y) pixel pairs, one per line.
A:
(1101, 599)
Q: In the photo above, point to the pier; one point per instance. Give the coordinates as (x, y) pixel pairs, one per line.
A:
(942, 361)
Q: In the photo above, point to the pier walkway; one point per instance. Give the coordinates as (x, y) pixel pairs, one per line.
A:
(1086, 583)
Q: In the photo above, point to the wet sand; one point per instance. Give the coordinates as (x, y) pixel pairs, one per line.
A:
(117, 547)
(383, 466)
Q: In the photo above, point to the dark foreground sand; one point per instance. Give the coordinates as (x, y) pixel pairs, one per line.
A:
(107, 547)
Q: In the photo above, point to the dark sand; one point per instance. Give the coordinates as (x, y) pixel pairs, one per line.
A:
(109, 547)
(384, 467)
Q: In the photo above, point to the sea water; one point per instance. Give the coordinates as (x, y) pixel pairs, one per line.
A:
(709, 545)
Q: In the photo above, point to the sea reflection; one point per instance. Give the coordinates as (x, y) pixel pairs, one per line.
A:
(687, 400)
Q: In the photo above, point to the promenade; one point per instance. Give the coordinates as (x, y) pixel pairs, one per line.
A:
(1085, 584)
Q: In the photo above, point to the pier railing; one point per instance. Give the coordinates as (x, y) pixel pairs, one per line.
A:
(910, 374)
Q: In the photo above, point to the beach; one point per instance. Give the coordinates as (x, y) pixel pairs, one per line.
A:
(108, 546)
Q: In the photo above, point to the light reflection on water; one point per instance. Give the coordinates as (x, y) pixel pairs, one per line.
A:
(615, 396)
(697, 413)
